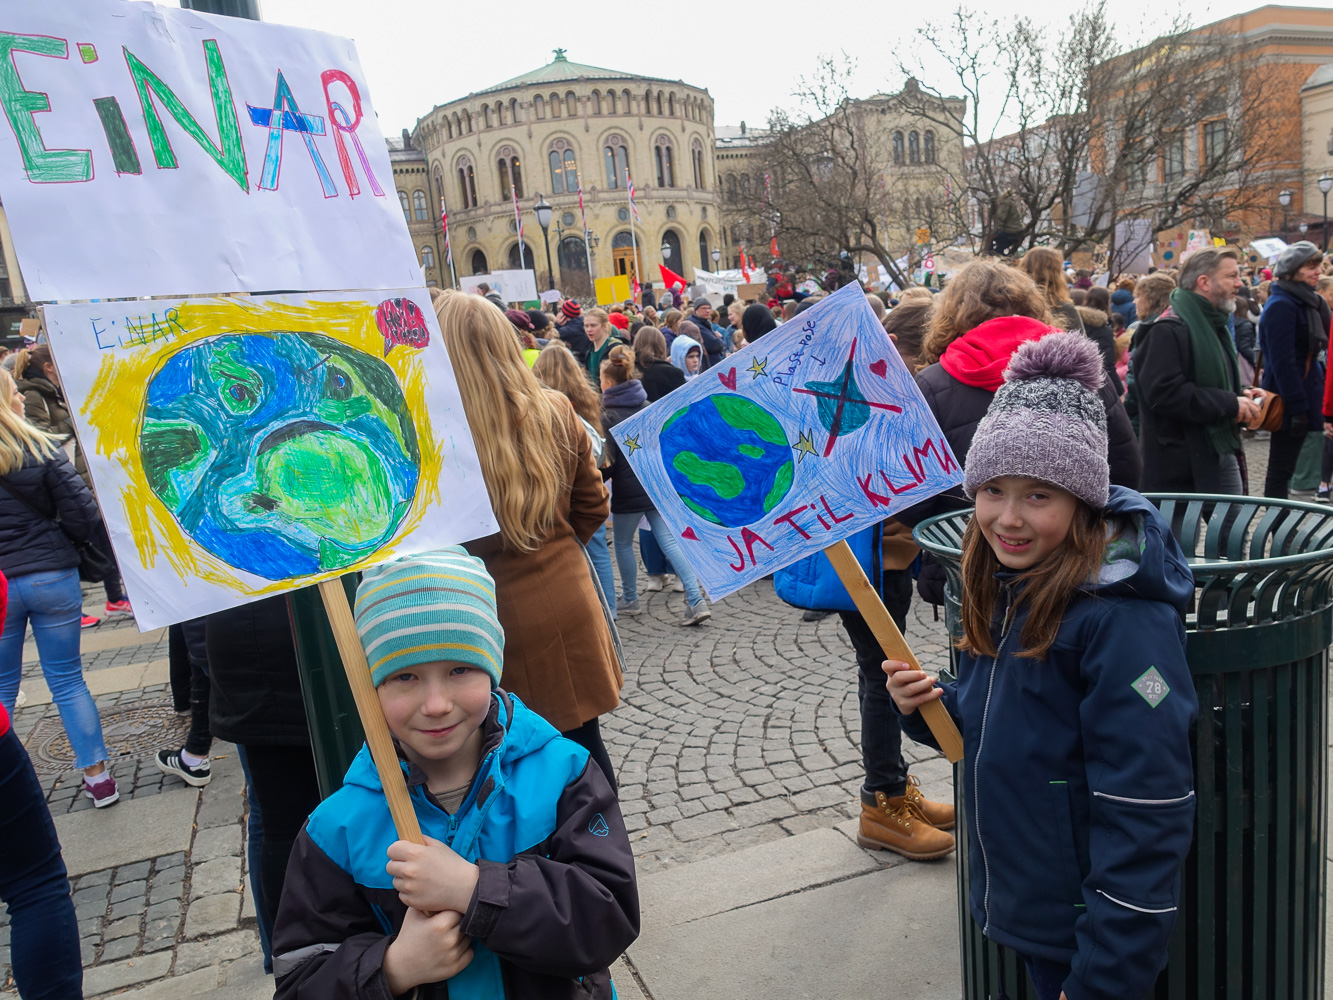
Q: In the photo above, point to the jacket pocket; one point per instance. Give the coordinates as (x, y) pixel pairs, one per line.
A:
(1066, 859)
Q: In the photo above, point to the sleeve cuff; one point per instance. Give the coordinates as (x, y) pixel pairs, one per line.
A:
(489, 900)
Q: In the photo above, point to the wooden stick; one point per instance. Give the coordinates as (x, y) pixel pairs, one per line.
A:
(368, 707)
(890, 640)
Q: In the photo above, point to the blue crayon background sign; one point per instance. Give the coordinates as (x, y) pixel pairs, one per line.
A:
(809, 435)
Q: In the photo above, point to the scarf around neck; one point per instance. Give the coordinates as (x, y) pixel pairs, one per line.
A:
(1317, 314)
(1214, 360)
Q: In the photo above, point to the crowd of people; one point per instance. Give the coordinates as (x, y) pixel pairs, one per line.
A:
(1059, 394)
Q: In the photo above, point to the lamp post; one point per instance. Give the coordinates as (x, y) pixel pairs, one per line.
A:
(1284, 199)
(1325, 185)
(543, 211)
(666, 253)
(717, 256)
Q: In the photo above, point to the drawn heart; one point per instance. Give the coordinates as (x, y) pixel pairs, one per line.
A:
(729, 379)
(880, 367)
(689, 533)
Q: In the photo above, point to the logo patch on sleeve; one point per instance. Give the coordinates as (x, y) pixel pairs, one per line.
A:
(1152, 687)
(598, 827)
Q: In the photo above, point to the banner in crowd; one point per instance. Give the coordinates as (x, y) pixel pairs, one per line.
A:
(807, 436)
(158, 151)
(243, 447)
(512, 286)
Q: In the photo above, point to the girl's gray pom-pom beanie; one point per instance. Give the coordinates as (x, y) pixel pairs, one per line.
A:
(1046, 421)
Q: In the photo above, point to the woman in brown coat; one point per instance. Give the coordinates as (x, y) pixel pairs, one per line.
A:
(549, 499)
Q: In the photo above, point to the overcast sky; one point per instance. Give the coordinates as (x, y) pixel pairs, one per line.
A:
(419, 53)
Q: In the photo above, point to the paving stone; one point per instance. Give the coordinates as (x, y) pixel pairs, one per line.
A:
(129, 890)
(126, 908)
(120, 948)
(133, 873)
(117, 975)
(133, 831)
(703, 825)
(212, 914)
(225, 948)
(216, 876)
(121, 928)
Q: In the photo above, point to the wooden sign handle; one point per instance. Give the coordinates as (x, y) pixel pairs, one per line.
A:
(890, 640)
(368, 707)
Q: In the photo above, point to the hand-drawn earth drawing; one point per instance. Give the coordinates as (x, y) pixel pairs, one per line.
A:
(283, 453)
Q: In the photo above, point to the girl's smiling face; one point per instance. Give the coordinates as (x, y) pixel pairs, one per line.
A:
(692, 360)
(1024, 520)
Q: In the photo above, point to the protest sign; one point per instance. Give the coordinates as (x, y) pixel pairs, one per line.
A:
(157, 151)
(612, 291)
(512, 286)
(807, 436)
(243, 447)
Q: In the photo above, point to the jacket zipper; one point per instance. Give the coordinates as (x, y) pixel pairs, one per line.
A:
(976, 760)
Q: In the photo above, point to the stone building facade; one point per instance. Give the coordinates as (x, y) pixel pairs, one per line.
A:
(546, 133)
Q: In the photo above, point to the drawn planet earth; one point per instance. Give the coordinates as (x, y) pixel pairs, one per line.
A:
(728, 458)
(284, 454)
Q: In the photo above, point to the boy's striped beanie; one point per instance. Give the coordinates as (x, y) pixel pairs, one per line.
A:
(431, 606)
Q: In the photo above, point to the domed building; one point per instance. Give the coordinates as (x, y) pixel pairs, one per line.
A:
(546, 133)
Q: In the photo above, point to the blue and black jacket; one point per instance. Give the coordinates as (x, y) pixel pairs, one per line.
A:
(1080, 792)
(556, 901)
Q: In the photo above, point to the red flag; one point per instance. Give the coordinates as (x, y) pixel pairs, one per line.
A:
(745, 270)
(773, 247)
(670, 278)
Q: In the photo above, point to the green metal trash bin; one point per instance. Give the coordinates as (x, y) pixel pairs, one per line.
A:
(1251, 919)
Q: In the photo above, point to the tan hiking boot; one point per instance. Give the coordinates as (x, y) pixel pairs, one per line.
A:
(900, 829)
(937, 814)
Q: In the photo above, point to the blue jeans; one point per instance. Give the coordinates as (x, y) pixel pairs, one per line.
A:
(254, 849)
(651, 553)
(601, 561)
(43, 932)
(52, 601)
(623, 527)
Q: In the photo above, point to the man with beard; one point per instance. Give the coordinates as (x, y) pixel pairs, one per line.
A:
(1192, 403)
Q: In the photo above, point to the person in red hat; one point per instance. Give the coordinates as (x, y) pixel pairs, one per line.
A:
(571, 330)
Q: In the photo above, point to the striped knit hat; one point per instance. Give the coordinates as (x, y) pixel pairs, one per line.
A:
(432, 606)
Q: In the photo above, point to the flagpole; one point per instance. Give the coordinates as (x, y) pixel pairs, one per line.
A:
(587, 249)
(448, 249)
(518, 224)
(633, 238)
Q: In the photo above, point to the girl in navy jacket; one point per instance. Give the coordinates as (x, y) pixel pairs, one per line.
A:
(1073, 696)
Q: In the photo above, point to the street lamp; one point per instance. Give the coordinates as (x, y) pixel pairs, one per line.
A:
(543, 211)
(666, 253)
(1284, 199)
(717, 254)
(1325, 184)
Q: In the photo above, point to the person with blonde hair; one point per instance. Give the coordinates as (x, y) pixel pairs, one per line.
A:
(623, 396)
(603, 336)
(1046, 268)
(549, 499)
(45, 508)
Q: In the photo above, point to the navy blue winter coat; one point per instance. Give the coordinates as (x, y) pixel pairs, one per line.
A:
(33, 544)
(1122, 302)
(1288, 345)
(1079, 784)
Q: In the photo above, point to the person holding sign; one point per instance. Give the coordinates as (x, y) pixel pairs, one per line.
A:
(1074, 696)
(525, 885)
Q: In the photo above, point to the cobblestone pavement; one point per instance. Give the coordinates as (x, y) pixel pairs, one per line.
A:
(739, 731)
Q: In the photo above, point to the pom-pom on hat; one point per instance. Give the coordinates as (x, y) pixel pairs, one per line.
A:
(571, 309)
(432, 606)
(1046, 421)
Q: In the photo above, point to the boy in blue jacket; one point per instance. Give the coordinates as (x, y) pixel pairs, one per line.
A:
(525, 887)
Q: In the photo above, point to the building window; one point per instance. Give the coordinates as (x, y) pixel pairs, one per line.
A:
(610, 102)
(427, 257)
(704, 262)
(1173, 158)
(539, 103)
(629, 104)
(485, 116)
(511, 175)
(666, 168)
(555, 105)
(467, 183)
(513, 111)
(596, 102)
(617, 161)
(567, 219)
(697, 163)
(928, 142)
(500, 113)
(731, 189)
(448, 128)
(467, 120)
(897, 149)
(1214, 141)
(647, 102)
(671, 211)
(913, 147)
(402, 200)
(419, 206)
(520, 257)
(571, 104)
(659, 104)
(671, 105)
(479, 263)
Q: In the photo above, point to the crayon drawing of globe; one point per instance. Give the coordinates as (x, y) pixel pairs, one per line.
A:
(283, 454)
(728, 458)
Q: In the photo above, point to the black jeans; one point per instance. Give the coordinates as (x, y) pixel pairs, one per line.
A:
(881, 734)
(200, 739)
(285, 786)
(589, 736)
(1283, 451)
(43, 932)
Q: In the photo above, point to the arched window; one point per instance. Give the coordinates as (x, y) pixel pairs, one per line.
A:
(571, 104)
(675, 259)
(467, 182)
(597, 102)
(555, 105)
(671, 105)
(617, 161)
(564, 173)
(402, 200)
(628, 101)
(439, 181)
(539, 103)
(520, 257)
(427, 257)
(697, 163)
(659, 103)
(929, 146)
(647, 102)
(500, 113)
(467, 120)
(479, 263)
(898, 149)
(448, 128)
(704, 260)
(485, 116)
(419, 206)
(511, 176)
(913, 147)
(610, 102)
(666, 168)
(571, 172)
(513, 111)
(731, 188)
(745, 186)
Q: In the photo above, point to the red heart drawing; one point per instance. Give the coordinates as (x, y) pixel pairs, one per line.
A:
(729, 379)
(689, 533)
(879, 367)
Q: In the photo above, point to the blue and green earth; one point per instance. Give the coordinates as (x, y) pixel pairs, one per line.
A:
(728, 458)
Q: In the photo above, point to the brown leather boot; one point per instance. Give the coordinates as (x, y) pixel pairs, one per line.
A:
(900, 829)
(937, 814)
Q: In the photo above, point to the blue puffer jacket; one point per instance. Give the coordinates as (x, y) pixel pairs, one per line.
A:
(556, 900)
(1122, 302)
(813, 584)
(1080, 787)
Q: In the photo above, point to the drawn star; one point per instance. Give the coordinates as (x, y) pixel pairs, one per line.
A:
(805, 445)
(632, 444)
(757, 366)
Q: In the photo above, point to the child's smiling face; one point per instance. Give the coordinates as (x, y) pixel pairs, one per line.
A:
(434, 709)
(1024, 520)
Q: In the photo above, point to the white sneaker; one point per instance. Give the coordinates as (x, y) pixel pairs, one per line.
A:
(676, 586)
(656, 581)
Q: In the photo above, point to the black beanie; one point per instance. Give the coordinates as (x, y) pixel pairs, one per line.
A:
(756, 321)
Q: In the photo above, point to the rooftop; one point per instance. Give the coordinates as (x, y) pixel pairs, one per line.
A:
(561, 70)
(736, 136)
(1323, 75)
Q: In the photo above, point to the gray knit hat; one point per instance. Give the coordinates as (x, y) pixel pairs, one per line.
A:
(1046, 421)
(1294, 258)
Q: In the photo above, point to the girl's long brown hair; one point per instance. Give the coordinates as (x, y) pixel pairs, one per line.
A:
(1047, 268)
(1045, 588)
(558, 369)
(983, 290)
